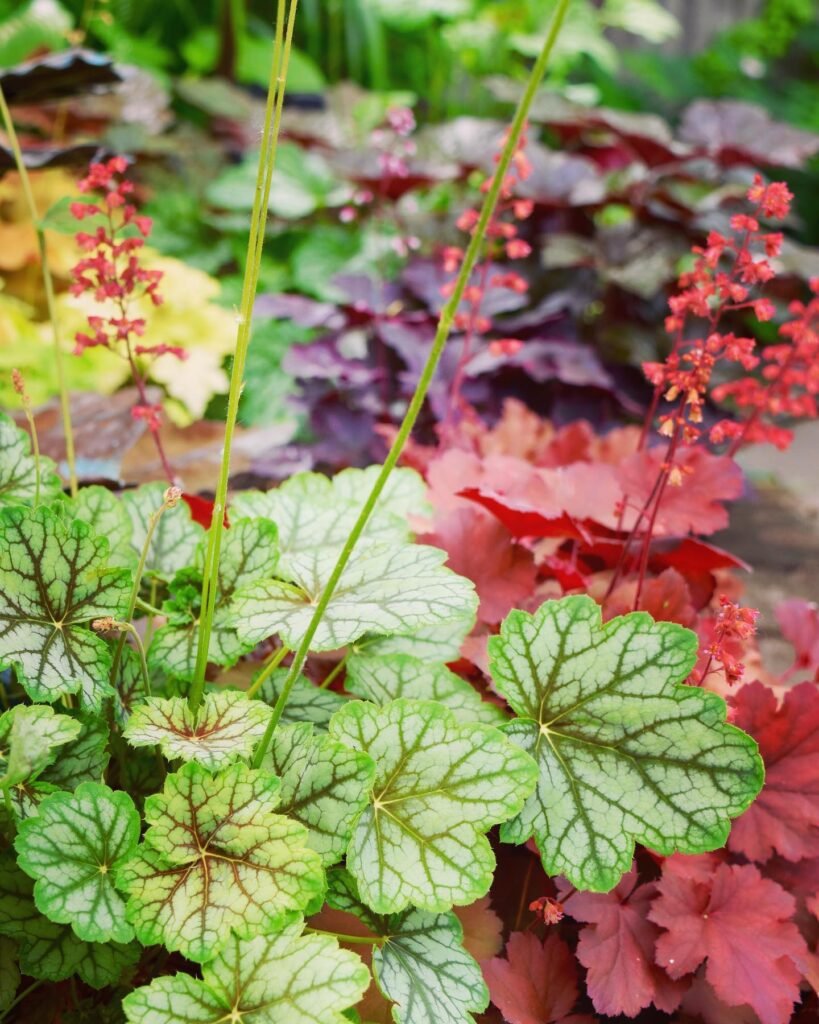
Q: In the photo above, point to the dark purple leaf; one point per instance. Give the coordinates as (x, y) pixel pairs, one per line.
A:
(301, 310)
(57, 76)
(425, 278)
(323, 360)
(733, 132)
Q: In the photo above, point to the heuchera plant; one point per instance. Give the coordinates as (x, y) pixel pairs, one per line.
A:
(310, 830)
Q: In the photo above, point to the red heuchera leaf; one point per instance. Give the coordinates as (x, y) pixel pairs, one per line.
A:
(702, 1003)
(522, 519)
(785, 817)
(201, 509)
(799, 622)
(739, 923)
(482, 550)
(692, 506)
(483, 929)
(666, 598)
(617, 949)
(537, 983)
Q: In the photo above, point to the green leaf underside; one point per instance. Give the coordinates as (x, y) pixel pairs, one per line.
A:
(29, 738)
(83, 759)
(422, 966)
(107, 517)
(9, 971)
(384, 589)
(325, 785)
(307, 702)
(249, 553)
(52, 951)
(226, 726)
(175, 538)
(53, 583)
(217, 858)
(286, 978)
(18, 468)
(381, 680)
(73, 847)
(439, 786)
(625, 754)
(313, 512)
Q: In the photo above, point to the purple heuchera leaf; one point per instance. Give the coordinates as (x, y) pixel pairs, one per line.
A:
(733, 132)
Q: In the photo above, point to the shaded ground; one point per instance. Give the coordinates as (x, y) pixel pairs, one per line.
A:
(776, 530)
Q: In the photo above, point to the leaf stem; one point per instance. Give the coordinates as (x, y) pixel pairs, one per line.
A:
(272, 663)
(334, 673)
(130, 628)
(447, 317)
(255, 244)
(48, 285)
(23, 995)
(352, 940)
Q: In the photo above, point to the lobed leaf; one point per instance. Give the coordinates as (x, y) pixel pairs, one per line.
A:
(307, 702)
(216, 859)
(52, 951)
(226, 726)
(73, 847)
(384, 589)
(54, 581)
(18, 468)
(625, 754)
(82, 759)
(325, 785)
(107, 516)
(439, 786)
(287, 978)
(421, 966)
(387, 678)
(29, 738)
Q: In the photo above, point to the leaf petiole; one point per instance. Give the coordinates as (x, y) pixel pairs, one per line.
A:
(351, 940)
(273, 662)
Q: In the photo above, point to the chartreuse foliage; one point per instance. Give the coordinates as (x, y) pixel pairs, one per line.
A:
(217, 858)
(29, 739)
(625, 754)
(420, 965)
(286, 978)
(439, 786)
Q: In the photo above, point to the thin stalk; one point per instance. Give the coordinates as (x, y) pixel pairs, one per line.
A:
(264, 179)
(273, 662)
(20, 388)
(130, 628)
(351, 940)
(171, 498)
(23, 995)
(332, 675)
(471, 257)
(48, 285)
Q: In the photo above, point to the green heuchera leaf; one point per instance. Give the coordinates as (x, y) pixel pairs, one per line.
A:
(217, 858)
(176, 537)
(52, 951)
(381, 680)
(325, 785)
(625, 754)
(439, 642)
(226, 726)
(249, 553)
(29, 738)
(9, 971)
(383, 589)
(83, 759)
(18, 473)
(422, 966)
(53, 583)
(307, 702)
(439, 786)
(288, 978)
(314, 513)
(72, 847)
(107, 517)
